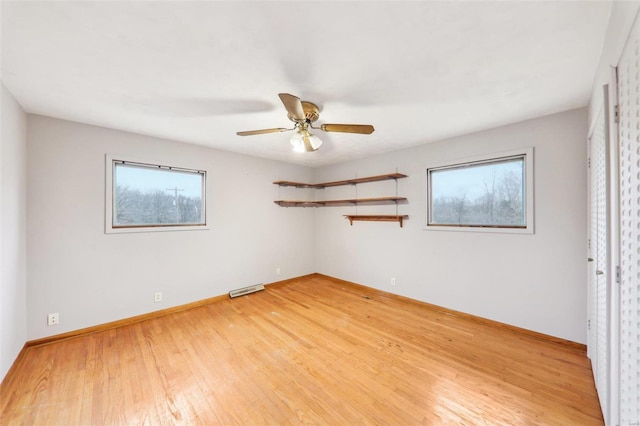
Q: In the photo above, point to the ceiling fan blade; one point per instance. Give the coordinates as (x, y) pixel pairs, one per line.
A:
(307, 144)
(293, 105)
(260, 132)
(365, 129)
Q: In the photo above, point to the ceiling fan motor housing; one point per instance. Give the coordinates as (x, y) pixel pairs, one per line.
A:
(311, 112)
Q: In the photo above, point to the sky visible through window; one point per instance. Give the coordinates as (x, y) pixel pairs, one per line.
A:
(471, 181)
(490, 193)
(148, 180)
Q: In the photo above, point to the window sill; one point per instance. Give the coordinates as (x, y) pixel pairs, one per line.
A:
(482, 229)
(129, 230)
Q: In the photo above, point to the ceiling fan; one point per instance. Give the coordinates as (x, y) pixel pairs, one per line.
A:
(303, 114)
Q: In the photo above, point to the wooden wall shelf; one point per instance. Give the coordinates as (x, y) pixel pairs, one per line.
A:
(351, 201)
(377, 218)
(347, 202)
(355, 181)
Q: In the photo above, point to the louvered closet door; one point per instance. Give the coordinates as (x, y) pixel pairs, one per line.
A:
(629, 139)
(597, 133)
(599, 327)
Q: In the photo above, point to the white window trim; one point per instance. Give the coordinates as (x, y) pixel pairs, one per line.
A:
(529, 187)
(108, 225)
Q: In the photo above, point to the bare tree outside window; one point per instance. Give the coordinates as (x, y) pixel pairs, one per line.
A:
(150, 195)
(479, 194)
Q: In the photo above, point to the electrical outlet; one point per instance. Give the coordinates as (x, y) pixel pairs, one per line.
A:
(393, 281)
(277, 271)
(157, 297)
(53, 319)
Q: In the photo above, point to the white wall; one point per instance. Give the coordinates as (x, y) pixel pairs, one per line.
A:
(537, 282)
(13, 251)
(91, 278)
(623, 14)
(532, 281)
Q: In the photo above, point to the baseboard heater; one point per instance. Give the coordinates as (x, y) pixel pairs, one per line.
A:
(246, 290)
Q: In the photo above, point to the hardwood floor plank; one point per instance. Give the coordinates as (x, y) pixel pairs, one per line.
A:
(311, 351)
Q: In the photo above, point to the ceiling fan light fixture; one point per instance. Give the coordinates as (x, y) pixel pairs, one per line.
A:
(303, 141)
(297, 143)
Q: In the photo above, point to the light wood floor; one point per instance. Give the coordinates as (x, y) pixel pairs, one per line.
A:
(314, 351)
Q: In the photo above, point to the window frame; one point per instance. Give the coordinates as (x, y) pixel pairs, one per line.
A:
(110, 164)
(528, 228)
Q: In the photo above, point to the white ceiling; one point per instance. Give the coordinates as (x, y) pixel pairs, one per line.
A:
(200, 71)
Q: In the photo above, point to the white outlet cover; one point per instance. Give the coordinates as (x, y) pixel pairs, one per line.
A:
(53, 319)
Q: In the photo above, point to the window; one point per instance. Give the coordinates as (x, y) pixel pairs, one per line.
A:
(152, 197)
(484, 194)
